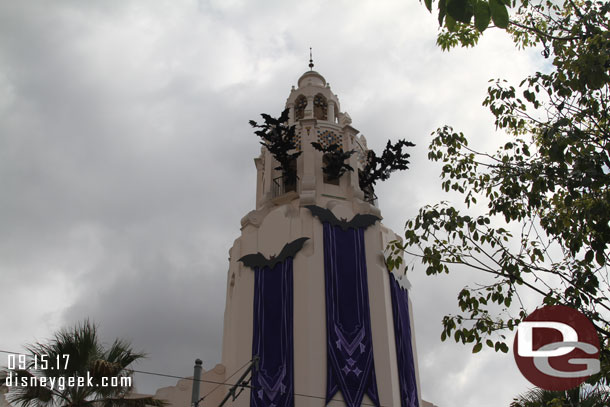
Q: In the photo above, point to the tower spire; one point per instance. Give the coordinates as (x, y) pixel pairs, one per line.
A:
(310, 60)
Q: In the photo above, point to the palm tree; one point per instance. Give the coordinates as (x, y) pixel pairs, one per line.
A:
(78, 352)
(584, 396)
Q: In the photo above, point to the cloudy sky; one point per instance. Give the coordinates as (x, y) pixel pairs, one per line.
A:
(126, 160)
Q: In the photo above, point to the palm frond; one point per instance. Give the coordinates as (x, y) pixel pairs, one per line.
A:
(87, 357)
(135, 402)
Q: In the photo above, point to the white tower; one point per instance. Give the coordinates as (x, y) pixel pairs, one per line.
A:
(281, 217)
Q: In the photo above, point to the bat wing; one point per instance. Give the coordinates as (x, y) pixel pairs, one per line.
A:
(254, 260)
(291, 249)
(324, 215)
(362, 221)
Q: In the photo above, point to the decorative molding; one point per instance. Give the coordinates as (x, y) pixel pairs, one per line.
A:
(307, 198)
(334, 196)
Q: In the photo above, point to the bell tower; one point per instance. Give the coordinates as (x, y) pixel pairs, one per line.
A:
(315, 111)
(308, 291)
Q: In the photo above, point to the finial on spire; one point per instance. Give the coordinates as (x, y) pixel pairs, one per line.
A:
(310, 60)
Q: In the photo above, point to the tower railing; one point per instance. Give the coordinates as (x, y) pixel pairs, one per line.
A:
(282, 185)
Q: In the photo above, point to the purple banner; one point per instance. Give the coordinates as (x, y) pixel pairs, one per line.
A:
(350, 366)
(404, 348)
(272, 341)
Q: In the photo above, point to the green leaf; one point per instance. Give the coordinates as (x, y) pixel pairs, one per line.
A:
(460, 10)
(442, 11)
(589, 256)
(499, 14)
(599, 257)
(428, 4)
(450, 23)
(477, 348)
(482, 15)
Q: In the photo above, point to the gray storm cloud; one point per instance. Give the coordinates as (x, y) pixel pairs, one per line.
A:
(126, 160)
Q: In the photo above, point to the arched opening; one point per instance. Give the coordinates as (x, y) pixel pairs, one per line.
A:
(326, 161)
(287, 181)
(299, 107)
(320, 107)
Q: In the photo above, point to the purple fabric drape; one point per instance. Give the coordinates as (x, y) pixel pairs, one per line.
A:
(350, 366)
(272, 340)
(404, 348)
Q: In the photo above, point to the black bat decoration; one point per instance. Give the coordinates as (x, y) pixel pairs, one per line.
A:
(259, 260)
(358, 221)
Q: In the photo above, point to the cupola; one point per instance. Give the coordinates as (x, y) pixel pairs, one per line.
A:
(315, 113)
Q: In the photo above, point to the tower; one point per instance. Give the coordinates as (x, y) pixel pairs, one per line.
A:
(326, 319)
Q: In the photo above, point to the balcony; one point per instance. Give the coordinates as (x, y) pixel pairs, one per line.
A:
(283, 189)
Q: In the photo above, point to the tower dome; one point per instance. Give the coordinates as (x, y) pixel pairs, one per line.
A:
(311, 78)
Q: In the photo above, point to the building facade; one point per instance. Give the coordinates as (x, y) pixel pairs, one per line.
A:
(317, 306)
